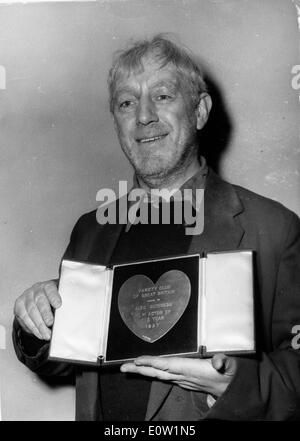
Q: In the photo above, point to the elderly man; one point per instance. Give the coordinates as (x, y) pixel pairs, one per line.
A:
(159, 101)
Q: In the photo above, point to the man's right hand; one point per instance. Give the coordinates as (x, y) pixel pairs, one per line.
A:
(33, 309)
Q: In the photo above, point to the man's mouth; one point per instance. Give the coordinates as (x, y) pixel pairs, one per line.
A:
(151, 139)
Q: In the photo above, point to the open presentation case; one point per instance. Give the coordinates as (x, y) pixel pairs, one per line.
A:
(188, 305)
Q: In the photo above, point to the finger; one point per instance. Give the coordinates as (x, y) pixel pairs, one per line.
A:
(44, 307)
(52, 294)
(155, 362)
(218, 362)
(230, 366)
(176, 365)
(142, 370)
(149, 372)
(224, 364)
(38, 321)
(23, 318)
(186, 385)
(23, 325)
(29, 325)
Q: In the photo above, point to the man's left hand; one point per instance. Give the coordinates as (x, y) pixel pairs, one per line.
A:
(207, 375)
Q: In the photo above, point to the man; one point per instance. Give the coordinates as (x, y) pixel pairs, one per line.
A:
(159, 101)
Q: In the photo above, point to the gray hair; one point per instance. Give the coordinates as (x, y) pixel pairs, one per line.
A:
(164, 51)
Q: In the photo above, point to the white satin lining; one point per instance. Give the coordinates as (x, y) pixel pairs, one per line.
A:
(78, 327)
(229, 324)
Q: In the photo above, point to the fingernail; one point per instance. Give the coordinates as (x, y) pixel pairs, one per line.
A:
(49, 321)
(38, 335)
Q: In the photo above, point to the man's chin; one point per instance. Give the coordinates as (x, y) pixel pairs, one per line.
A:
(157, 168)
(152, 173)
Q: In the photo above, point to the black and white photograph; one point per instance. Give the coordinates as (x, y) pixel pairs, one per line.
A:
(150, 202)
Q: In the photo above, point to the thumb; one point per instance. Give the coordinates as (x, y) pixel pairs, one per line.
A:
(223, 364)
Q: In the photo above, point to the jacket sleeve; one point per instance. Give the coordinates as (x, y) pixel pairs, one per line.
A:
(34, 352)
(268, 388)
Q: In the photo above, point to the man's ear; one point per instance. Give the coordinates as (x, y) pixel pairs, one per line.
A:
(203, 110)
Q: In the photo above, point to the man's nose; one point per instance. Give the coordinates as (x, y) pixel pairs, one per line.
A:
(146, 112)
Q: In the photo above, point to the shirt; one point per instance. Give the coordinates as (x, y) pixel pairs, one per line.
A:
(124, 397)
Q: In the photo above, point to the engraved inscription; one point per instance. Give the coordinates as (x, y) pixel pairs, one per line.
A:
(150, 309)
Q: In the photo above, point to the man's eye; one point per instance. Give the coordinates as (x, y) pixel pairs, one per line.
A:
(126, 104)
(163, 97)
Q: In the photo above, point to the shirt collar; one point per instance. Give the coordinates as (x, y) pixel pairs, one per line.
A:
(197, 181)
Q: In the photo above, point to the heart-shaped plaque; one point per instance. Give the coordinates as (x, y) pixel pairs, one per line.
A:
(150, 309)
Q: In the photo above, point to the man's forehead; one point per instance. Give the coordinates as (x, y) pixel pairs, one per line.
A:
(151, 70)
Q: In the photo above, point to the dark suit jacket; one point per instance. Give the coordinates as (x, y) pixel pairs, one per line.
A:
(266, 386)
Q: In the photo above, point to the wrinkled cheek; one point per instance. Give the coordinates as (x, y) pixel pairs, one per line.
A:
(126, 143)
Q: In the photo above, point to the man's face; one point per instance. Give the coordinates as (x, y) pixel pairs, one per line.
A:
(155, 119)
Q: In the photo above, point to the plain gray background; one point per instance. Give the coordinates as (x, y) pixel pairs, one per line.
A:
(58, 146)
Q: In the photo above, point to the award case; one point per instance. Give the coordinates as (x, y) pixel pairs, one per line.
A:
(187, 305)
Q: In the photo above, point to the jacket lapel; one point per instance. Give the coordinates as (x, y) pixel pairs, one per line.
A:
(158, 394)
(222, 228)
(104, 243)
(222, 232)
(104, 238)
